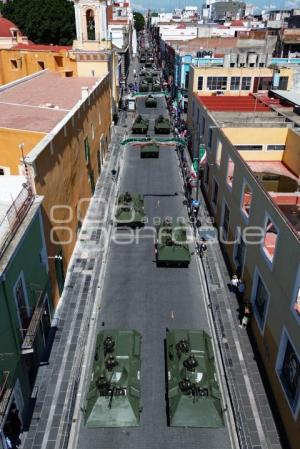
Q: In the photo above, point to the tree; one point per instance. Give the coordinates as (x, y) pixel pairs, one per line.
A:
(139, 21)
(43, 21)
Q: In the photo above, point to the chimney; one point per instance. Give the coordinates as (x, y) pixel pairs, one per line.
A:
(84, 92)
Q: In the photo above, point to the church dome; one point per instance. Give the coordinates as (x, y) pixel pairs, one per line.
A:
(8, 28)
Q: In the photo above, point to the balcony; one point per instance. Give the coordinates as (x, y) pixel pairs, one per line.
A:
(14, 216)
(5, 393)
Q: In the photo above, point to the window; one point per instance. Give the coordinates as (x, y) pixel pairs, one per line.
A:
(209, 137)
(275, 147)
(214, 199)
(198, 116)
(206, 179)
(260, 300)
(288, 372)
(59, 61)
(186, 81)
(240, 249)
(217, 82)
(99, 118)
(93, 132)
(200, 82)
(2, 171)
(15, 64)
(265, 83)
(270, 239)
(246, 83)
(248, 147)
(235, 82)
(246, 200)
(230, 172)
(225, 221)
(283, 82)
(296, 297)
(202, 126)
(41, 65)
(22, 305)
(219, 152)
(87, 152)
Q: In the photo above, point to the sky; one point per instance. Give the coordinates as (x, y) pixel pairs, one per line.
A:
(169, 5)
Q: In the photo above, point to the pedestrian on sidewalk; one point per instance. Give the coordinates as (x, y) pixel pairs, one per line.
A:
(246, 315)
(202, 248)
(240, 290)
(234, 282)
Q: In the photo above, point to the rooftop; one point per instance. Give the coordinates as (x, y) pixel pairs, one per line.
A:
(40, 47)
(39, 102)
(10, 188)
(18, 206)
(7, 27)
(233, 103)
(204, 43)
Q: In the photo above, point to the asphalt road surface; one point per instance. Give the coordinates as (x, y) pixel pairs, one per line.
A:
(138, 295)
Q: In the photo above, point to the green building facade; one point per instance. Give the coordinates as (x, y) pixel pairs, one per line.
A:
(25, 315)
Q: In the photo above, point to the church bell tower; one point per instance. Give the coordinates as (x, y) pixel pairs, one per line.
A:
(91, 21)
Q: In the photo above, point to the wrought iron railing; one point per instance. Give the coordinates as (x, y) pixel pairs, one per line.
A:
(14, 217)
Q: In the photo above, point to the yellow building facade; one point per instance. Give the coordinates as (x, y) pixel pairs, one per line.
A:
(59, 138)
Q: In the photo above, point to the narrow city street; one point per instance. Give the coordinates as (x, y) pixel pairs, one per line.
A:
(113, 284)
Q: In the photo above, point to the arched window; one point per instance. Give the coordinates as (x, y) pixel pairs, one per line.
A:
(90, 25)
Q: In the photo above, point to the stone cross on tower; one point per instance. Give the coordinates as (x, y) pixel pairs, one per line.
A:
(91, 21)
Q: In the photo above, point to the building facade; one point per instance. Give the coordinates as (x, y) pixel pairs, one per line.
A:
(25, 298)
(58, 136)
(251, 185)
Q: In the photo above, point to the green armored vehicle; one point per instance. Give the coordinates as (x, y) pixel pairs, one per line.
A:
(144, 86)
(150, 102)
(113, 398)
(156, 87)
(148, 64)
(162, 125)
(171, 248)
(140, 125)
(150, 149)
(194, 398)
(130, 210)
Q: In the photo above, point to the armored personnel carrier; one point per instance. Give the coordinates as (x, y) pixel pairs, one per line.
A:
(156, 87)
(130, 210)
(113, 398)
(194, 398)
(144, 86)
(162, 125)
(150, 149)
(140, 125)
(171, 248)
(150, 102)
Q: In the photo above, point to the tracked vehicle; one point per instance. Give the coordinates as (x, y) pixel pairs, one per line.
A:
(130, 210)
(140, 125)
(144, 86)
(171, 247)
(193, 395)
(162, 125)
(150, 150)
(151, 102)
(113, 398)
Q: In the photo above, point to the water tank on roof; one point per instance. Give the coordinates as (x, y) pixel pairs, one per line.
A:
(262, 58)
(233, 57)
(252, 58)
(242, 58)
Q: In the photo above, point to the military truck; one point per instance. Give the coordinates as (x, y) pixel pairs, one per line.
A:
(130, 210)
(193, 395)
(150, 149)
(162, 125)
(150, 102)
(171, 247)
(113, 398)
(140, 125)
(144, 86)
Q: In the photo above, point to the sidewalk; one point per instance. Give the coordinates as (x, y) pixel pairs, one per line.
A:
(56, 384)
(255, 423)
